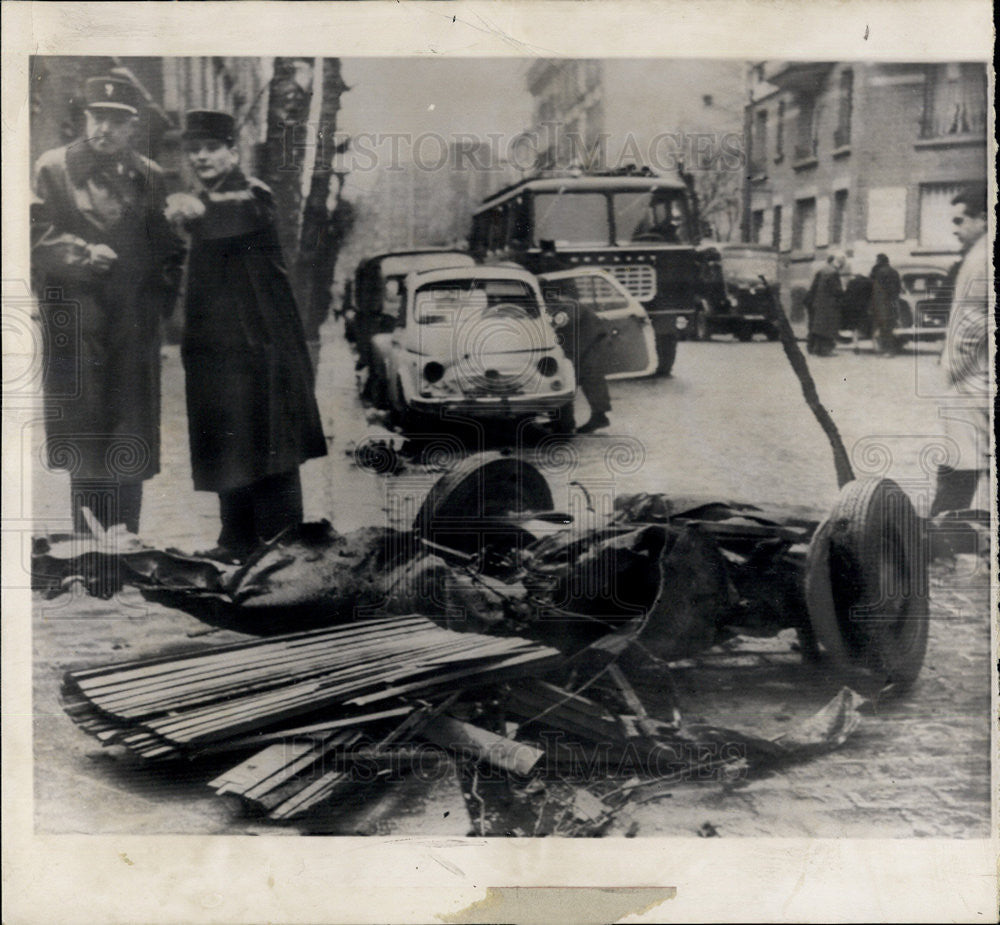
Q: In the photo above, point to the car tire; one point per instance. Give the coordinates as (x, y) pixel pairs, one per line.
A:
(771, 333)
(564, 420)
(744, 333)
(866, 584)
(403, 417)
(480, 487)
(666, 351)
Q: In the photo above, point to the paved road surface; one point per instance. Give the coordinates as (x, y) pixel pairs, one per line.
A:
(731, 423)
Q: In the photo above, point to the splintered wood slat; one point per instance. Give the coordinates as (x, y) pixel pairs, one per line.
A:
(218, 699)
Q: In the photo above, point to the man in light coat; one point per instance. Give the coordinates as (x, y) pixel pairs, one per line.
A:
(965, 362)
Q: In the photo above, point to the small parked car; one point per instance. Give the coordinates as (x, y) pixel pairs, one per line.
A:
(630, 344)
(745, 310)
(375, 291)
(925, 302)
(471, 342)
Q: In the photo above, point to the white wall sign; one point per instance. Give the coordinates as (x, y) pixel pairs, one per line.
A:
(887, 213)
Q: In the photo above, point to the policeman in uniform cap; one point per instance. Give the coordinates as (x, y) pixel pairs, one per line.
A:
(252, 414)
(106, 266)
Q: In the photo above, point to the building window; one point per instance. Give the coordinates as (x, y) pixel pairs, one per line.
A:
(954, 101)
(936, 229)
(776, 228)
(756, 225)
(759, 142)
(779, 132)
(845, 105)
(838, 220)
(805, 129)
(804, 225)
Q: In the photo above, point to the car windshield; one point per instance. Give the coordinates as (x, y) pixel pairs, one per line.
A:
(572, 218)
(652, 216)
(445, 301)
(590, 289)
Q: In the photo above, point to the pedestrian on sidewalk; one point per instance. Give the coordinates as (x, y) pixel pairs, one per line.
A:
(252, 413)
(884, 306)
(857, 302)
(824, 304)
(965, 362)
(106, 267)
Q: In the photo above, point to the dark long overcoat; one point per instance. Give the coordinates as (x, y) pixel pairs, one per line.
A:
(886, 287)
(251, 408)
(824, 301)
(102, 328)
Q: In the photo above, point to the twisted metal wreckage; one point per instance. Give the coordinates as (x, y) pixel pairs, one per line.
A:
(502, 639)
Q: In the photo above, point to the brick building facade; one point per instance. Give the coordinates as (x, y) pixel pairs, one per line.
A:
(860, 157)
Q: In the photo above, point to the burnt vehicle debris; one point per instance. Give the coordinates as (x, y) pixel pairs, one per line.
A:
(499, 638)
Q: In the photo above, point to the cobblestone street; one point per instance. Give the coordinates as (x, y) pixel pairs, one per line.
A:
(731, 424)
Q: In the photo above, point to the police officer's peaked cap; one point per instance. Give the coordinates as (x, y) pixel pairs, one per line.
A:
(200, 124)
(113, 93)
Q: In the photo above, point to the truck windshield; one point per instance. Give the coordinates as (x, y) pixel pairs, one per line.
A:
(654, 216)
(572, 218)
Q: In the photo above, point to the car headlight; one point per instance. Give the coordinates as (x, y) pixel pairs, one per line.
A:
(680, 322)
(433, 371)
(548, 366)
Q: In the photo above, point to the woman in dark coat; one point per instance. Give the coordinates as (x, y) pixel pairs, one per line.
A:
(252, 414)
(824, 303)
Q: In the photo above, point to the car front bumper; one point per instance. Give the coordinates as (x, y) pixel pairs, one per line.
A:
(499, 407)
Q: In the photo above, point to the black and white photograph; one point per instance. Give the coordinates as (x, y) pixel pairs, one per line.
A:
(446, 447)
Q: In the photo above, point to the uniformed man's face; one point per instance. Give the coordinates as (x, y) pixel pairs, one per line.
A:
(967, 229)
(109, 131)
(210, 159)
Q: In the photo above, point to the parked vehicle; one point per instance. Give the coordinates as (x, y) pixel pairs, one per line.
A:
(925, 302)
(471, 343)
(745, 308)
(375, 293)
(642, 228)
(630, 345)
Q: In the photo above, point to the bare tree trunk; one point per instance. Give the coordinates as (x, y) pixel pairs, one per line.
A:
(284, 151)
(323, 228)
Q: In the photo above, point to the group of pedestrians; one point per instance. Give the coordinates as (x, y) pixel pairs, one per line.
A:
(866, 301)
(965, 394)
(108, 251)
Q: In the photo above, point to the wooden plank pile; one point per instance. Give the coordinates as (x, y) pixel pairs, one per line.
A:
(229, 696)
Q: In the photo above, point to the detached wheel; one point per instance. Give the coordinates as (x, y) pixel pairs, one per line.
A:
(866, 582)
(483, 487)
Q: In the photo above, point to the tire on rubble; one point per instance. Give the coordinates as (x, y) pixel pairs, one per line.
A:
(483, 486)
(866, 583)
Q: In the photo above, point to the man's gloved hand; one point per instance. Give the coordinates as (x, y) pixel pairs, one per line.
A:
(101, 257)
